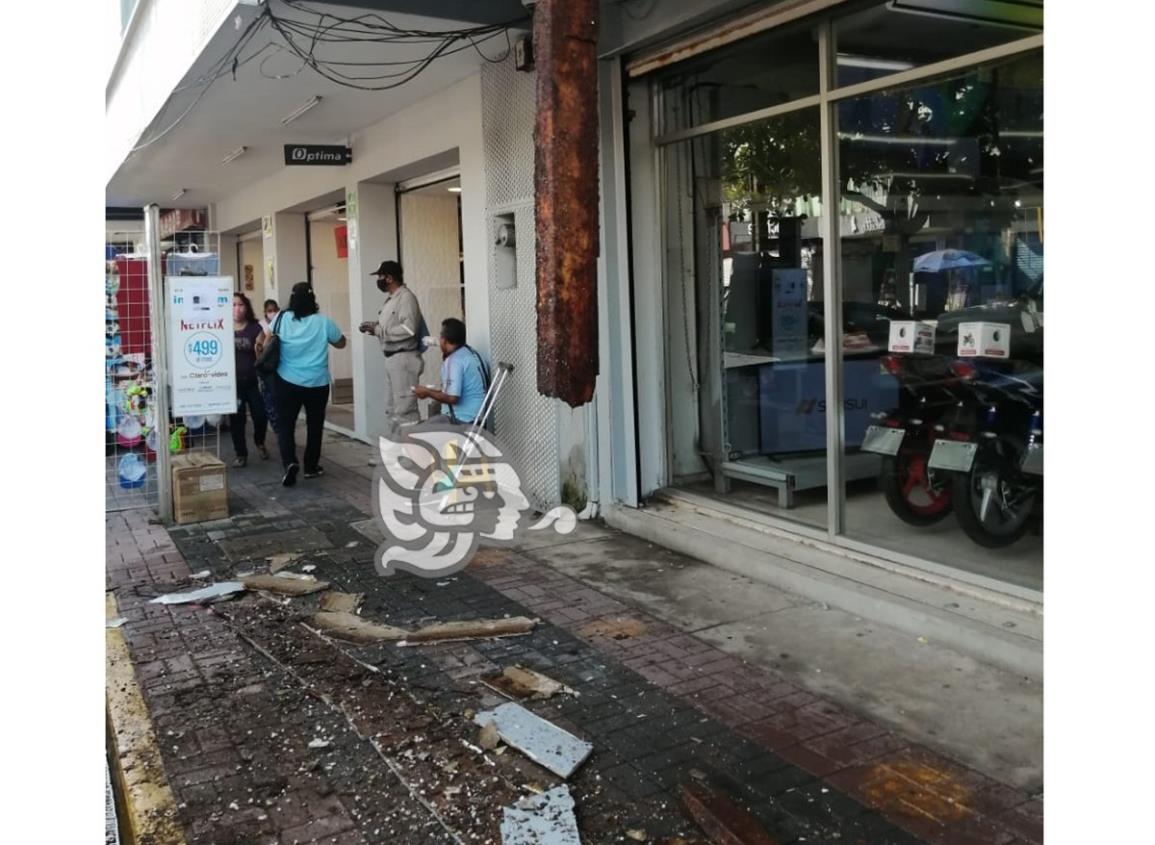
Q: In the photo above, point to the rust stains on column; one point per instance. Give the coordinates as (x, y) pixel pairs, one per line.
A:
(566, 187)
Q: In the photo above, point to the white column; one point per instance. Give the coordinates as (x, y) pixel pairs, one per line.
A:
(284, 254)
(228, 255)
(474, 236)
(227, 250)
(371, 213)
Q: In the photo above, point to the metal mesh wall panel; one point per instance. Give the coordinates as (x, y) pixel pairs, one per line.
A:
(526, 421)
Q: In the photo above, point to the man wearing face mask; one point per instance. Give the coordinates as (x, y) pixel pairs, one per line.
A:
(400, 328)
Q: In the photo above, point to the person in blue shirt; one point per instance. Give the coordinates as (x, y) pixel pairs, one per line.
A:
(302, 378)
(463, 378)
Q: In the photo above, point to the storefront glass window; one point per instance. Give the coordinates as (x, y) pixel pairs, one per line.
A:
(898, 35)
(748, 199)
(763, 71)
(941, 224)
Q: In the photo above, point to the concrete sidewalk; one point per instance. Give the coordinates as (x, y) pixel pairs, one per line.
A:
(827, 729)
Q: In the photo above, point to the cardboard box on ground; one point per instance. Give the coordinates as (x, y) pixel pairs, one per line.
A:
(200, 488)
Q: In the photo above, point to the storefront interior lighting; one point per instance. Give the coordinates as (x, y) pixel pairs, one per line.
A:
(868, 63)
(179, 194)
(454, 190)
(897, 139)
(235, 154)
(299, 110)
(964, 177)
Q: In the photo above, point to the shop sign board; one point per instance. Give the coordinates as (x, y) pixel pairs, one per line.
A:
(201, 360)
(317, 154)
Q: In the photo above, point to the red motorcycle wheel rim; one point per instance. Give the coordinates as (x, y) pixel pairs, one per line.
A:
(914, 478)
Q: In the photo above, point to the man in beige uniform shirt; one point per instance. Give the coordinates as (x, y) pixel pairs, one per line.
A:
(398, 327)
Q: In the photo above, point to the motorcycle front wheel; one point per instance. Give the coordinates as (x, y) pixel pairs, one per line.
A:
(993, 502)
(912, 492)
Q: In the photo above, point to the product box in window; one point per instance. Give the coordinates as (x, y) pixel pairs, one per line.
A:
(912, 336)
(984, 340)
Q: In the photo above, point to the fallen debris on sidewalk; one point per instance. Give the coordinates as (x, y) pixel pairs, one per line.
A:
(285, 586)
(546, 819)
(519, 682)
(543, 742)
(350, 626)
(204, 594)
(297, 576)
(279, 562)
(478, 629)
(488, 739)
(341, 602)
(723, 821)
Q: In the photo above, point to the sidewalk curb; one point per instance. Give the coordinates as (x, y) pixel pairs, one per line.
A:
(138, 768)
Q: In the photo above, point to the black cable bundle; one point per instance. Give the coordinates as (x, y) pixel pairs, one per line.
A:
(305, 37)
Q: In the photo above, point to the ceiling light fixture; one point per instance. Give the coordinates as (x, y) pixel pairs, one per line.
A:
(454, 190)
(870, 63)
(237, 153)
(179, 194)
(299, 110)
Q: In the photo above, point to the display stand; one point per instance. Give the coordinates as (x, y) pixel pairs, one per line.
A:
(137, 447)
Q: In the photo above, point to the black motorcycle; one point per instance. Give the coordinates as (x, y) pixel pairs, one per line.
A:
(992, 449)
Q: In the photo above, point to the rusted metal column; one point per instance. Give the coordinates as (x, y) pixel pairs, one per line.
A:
(566, 187)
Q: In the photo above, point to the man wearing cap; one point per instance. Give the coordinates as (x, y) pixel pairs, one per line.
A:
(400, 328)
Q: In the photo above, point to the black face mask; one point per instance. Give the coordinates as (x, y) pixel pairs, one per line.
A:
(382, 286)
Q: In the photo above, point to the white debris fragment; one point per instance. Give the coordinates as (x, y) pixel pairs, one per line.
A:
(213, 591)
(543, 742)
(545, 818)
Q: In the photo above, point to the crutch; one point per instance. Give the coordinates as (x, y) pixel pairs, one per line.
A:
(487, 405)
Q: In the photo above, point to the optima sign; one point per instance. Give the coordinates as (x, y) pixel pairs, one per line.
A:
(322, 154)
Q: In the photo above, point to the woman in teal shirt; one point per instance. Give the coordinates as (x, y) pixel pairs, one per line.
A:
(302, 378)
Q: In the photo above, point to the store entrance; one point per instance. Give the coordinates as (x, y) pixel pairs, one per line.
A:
(329, 276)
(431, 253)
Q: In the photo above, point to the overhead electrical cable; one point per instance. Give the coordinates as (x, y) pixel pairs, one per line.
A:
(307, 38)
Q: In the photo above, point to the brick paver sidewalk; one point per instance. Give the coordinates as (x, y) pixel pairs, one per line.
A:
(271, 734)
